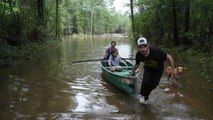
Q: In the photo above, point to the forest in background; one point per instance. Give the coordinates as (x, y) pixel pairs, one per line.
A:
(182, 23)
(26, 25)
(93, 17)
(34, 20)
(186, 23)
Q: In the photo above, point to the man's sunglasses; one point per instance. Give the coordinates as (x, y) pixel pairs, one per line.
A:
(142, 46)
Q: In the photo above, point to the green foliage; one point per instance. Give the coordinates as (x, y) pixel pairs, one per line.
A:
(20, 22)
(23, 20)
(201, 63)
(92, 17)
(154, 20)
(12, 54)
(24, 24)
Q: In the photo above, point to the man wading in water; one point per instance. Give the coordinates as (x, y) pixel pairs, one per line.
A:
(153, 59)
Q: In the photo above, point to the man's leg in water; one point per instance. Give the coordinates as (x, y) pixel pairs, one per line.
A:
(150, 82)
(156, 78)
(146, 85)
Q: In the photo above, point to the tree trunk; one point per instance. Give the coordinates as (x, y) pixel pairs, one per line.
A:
(208, 23)
(2, 15)
(3, 9)
(174, 22)
(40, 7)
(186, 26)
(132, 18)
(75, 25)
(69, 31)
(56, 20)
(101, 23)
(159, 29)
(11, 10)
(92, 14)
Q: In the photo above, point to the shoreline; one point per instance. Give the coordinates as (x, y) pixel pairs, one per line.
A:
(12, 55)
(116, 35)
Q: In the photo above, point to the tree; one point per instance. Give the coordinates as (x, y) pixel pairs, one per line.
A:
(91, 21)
(10, 2)
(132, 18)
(174, 22)
(92, 17)
(57, 19)
(40, 7)
(186, 24)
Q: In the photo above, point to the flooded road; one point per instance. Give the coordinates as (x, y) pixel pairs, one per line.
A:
(51, 87)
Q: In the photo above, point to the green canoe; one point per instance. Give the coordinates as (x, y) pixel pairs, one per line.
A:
(120, 79)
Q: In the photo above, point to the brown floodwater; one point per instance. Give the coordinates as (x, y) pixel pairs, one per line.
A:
(51, 87)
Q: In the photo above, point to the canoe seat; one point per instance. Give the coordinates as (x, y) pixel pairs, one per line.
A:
(122, 73)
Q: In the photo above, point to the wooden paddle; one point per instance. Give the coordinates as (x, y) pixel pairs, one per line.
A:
(123, 67)
(98, 59)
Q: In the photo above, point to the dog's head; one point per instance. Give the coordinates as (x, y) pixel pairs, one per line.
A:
(180, 70)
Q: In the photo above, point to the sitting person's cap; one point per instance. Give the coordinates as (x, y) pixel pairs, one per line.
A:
(142, 41)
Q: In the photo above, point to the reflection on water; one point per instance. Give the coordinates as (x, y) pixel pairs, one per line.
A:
(82, 103)
(51, 87)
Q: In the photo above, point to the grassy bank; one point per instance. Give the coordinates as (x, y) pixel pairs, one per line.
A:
(192, 60)
(10, 55)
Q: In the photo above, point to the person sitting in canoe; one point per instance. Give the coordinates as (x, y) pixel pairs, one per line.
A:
(115, 60)
(109, 50)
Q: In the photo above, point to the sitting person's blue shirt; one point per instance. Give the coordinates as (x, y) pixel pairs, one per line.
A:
(115, 61)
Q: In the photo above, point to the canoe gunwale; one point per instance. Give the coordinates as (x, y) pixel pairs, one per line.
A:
(130, 77)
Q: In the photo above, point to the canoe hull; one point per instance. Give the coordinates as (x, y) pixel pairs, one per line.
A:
(125, 83)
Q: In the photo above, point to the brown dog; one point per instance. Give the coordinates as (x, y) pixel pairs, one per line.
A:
(178, 70)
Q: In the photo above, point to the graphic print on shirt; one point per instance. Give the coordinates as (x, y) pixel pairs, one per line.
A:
(151, 63)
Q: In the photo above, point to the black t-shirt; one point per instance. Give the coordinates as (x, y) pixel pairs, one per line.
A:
(155, 60)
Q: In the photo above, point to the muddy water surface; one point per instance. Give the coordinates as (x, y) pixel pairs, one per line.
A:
(51, 87)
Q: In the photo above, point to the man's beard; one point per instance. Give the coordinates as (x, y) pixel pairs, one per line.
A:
(144, 52)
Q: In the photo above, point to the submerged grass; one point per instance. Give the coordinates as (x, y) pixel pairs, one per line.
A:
(200, 63)
(10, 55)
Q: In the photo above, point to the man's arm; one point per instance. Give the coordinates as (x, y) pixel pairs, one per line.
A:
(109, 62)
(106, 54)
(122, 61)
(137, 63)
(171, 62)
(134, 69)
